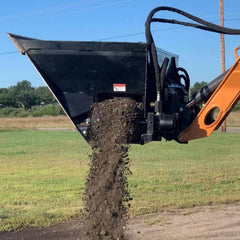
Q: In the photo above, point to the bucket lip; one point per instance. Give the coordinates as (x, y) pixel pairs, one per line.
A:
(24, 44)
(16, 39)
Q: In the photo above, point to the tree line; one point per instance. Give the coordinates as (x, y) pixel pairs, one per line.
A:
(24, 100)
(23, 95)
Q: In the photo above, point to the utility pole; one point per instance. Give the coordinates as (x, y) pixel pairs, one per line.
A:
(222, 50)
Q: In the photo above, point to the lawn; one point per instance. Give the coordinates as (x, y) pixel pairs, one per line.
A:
(43, 174)
(233, 120)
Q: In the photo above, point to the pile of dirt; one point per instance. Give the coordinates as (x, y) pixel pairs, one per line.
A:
(106, 195)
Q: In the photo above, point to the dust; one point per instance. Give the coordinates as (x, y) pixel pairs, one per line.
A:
(106, 196)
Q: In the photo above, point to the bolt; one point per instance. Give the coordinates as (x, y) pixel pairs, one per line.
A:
(152, 104)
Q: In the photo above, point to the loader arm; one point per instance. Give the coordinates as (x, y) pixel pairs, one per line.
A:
(218, 106)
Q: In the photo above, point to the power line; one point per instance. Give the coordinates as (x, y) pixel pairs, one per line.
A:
(61, 7)
(51, 9)
(134, 34)
(5, 53)
(129, 35)
(232, 19)
(65, 6)
(92, 8)
(159, 30)
(113, 37)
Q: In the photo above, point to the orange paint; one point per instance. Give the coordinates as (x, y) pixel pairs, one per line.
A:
(224, 98)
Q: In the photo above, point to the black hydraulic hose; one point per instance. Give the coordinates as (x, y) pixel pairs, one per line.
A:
(154, 56)
(163, 71)
(216, 29)
(202, 24)
(208, 25)
(185, 77)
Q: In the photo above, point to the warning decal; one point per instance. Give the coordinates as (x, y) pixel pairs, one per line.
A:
(119, 87)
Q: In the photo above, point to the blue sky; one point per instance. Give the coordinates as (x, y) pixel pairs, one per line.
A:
(90, 20)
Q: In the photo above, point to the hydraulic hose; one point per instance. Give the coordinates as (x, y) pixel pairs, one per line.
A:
(201, 24)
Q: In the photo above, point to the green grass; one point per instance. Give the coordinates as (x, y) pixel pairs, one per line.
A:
(43, 175)
(169, 175)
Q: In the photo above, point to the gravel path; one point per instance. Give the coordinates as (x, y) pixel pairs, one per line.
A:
(217, 222)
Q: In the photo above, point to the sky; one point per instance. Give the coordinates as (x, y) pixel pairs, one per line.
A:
(118, 21)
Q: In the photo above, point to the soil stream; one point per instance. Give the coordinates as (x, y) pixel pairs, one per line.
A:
(106, 194)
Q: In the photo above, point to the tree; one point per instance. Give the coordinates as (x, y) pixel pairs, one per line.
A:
(23, 86)
(26, 99)
(44, 96)
(7, 99)
(23, 94)
(196, 87)
(3, 90)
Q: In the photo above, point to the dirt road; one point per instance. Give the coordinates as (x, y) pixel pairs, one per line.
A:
(218, 222)
(210, 222)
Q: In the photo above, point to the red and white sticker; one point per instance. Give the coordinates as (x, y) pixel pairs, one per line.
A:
(119, 87)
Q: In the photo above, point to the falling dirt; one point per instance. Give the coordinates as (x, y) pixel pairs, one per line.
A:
(106, 196)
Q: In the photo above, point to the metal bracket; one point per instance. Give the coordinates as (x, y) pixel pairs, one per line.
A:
(148, 137)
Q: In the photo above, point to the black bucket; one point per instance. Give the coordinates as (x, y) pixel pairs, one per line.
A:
(80, 73)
